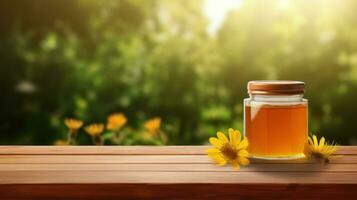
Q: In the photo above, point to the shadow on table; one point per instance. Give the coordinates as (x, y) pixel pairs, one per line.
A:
(301, 167)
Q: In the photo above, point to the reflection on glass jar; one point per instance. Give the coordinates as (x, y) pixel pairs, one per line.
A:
(275, 119)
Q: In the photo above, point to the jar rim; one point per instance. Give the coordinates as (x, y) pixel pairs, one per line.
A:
(275, 87)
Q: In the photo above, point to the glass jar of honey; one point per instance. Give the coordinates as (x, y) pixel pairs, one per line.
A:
(275, 119)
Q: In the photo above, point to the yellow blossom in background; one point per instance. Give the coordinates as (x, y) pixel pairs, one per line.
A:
(153, 125)
(116, 121)
(73, 124)
(94, 129)
(60, 143)
(321, 151)
(232, 151)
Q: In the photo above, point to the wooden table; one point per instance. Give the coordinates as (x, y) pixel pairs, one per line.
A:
(171, 172)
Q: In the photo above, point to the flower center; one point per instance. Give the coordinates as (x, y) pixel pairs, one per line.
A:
(229, 152)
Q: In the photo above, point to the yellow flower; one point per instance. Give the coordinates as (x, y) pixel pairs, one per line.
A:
(94, 129)
(60, 143)
(232, 151)
(116, 121)
(153, 125)
(73, 124)
(321, 151)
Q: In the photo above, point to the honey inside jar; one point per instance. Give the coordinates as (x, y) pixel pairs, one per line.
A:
(275, 119)
(276, 131)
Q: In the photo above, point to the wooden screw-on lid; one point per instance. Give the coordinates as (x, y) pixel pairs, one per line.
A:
(275, 87)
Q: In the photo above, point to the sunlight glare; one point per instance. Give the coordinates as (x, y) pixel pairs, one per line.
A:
(283, 4)
(216, 10)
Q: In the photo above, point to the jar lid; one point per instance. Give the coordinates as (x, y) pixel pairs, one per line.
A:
(275, 87)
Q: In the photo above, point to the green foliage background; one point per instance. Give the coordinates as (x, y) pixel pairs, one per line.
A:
(89, 58)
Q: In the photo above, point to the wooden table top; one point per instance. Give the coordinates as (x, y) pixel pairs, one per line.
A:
(83, 172)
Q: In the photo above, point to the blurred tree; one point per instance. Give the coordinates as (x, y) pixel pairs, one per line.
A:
(89, 58)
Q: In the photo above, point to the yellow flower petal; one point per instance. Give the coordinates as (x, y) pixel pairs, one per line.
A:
(213, 150)
(215, 142)
(328, 150)
(243, 153)
(214, 156)
(243, 161)
(238, 135)
(230, 130)
(309, 140)
(333, 149)
(219, 160)
(234, 137)
(315, 143)
(322, 142)
(222, 137)
(222, 162)
(243, 144)
(235, 164)
(231, 135)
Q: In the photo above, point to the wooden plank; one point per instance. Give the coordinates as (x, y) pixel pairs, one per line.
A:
(102, 177)
(180, 167)
(103, 150)
(123, 150)
(103, 159)
(346, 159)
(178, 191)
